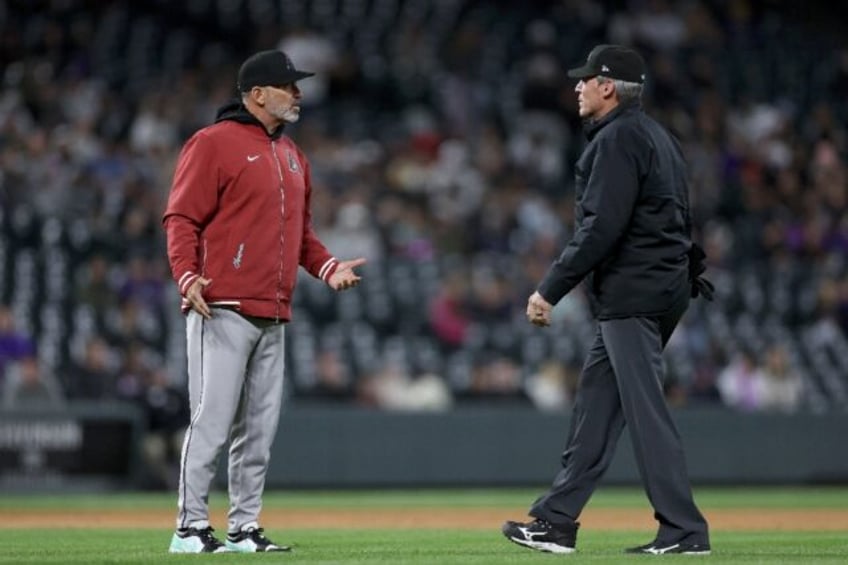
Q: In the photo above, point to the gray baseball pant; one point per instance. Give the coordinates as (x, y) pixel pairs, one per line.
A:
(621, 383)
(235, 381)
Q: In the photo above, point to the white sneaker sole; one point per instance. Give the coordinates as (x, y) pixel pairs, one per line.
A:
(666, 551)
(180, 545)
(545, 546)
(186, 551)
(250, 547)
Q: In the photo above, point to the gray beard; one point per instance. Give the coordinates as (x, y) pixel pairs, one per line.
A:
(289, 115)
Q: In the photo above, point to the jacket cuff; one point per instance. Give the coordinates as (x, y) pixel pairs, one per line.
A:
(186, 281)
(552, 289)
(327, 269)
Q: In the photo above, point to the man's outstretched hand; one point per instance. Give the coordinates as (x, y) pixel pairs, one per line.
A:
(344, 277)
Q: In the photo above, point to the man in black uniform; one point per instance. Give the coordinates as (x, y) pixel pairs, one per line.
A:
(632, 245)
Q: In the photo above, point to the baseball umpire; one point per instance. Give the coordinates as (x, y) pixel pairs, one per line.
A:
(632, 246)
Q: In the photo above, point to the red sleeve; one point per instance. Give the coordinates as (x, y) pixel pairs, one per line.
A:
(314, 257)
(192, 202)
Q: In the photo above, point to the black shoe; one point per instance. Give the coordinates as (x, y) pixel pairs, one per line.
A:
(667, 548)
(194, 540)
(541, 535)
(252, 540)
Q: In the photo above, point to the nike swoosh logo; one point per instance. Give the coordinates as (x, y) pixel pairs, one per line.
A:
(252, 158)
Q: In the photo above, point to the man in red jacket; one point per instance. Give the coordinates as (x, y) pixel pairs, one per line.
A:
(238, 225)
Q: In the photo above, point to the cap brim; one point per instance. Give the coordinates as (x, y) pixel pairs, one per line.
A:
(287, 78)
(297, 75)
(292, 76)
(582, 72)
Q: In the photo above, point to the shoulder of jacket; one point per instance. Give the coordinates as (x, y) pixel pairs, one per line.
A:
(205, 134)
(628, 128)
(227, 127)
(223, 134)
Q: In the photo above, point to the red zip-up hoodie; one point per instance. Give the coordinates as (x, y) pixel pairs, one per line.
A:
(238, 214)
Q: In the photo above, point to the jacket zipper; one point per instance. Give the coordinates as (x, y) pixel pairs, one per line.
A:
(203, 260)
(282, 227)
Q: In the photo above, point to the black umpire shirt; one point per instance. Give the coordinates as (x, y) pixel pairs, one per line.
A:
(632, 219)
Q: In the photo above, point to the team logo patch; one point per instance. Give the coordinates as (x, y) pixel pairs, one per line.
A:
(293, 165)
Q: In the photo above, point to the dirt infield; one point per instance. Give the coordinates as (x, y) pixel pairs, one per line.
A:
(749, 519)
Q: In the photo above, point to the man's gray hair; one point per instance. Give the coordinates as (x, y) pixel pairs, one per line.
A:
(626, 91)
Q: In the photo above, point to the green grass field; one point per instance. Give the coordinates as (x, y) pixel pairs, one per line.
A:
(148, 544)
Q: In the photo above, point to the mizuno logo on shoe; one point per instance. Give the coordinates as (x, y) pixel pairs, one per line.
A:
(681, 548)
(530, 534)
(539, 535)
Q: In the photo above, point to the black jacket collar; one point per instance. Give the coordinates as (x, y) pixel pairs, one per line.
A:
(592, 127)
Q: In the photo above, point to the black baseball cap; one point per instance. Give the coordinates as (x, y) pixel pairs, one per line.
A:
(268, 68)
(612, 61)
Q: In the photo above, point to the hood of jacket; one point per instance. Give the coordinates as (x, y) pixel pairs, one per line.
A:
(235, 111)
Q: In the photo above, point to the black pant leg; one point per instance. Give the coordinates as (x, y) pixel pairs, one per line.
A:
(635, 348)
(596, 425)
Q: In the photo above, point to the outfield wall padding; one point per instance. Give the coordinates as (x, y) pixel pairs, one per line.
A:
(85, 446)
(356, 448)
(91, 446)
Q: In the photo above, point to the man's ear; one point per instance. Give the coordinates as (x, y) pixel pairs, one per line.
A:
(607, 89)
(257, 94)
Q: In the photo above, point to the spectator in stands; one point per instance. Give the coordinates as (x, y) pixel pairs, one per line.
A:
(136, 364)
(142, 381)
(133, 321)
(14, 345)
(492, 296)
(333, 380)
(166, 409)
(782, 386)
(354, 232)
(93, 377)
(495, 379)
(95, 287)
(144, 283)
(553, 386)
(391, 387)
(449, 315)
(314, 51)
(28, 386)
(741, 383)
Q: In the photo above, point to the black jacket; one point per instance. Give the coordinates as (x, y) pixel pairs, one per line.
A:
(632, 220)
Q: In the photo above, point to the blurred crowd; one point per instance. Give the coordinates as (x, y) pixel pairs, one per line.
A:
(441, 136)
